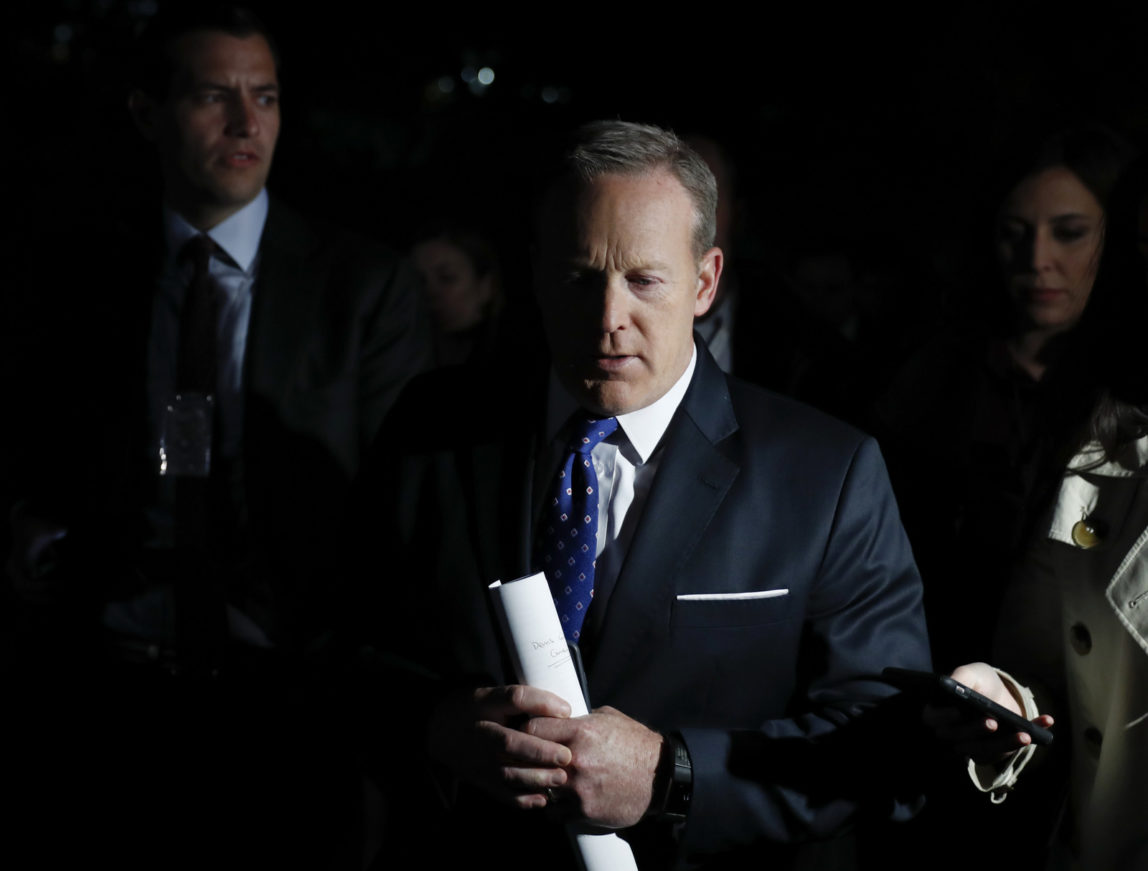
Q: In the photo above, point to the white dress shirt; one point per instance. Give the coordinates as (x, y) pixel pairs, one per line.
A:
(233, 268)
(150, 616)
(625, 463)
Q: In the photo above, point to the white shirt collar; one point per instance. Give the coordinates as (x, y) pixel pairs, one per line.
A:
(644, 428)
(238, 235)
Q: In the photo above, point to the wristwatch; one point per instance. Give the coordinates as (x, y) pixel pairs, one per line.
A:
(675, 780)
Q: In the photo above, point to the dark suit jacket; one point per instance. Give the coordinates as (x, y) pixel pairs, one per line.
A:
(754, 492)
(336, 329)
(249, 766)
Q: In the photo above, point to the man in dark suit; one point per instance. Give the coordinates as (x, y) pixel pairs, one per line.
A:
(175, 569)
(314, 333)
(751, 572)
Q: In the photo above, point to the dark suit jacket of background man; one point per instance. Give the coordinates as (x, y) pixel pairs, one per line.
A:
(754, 492)
(336, 328)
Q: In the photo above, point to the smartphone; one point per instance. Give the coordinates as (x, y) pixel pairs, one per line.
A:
(941, 690)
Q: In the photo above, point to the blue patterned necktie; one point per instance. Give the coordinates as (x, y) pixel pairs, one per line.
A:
(568, 542)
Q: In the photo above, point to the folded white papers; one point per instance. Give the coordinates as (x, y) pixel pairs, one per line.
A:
(537, 644)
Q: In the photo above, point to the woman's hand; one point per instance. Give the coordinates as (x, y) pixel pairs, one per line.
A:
(973, 734)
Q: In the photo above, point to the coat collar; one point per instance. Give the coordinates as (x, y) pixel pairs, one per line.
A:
(1080, 494)
(1131, 460)
(1127, 592)
(1080, 490)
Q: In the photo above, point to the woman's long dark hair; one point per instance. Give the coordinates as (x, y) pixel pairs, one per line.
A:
(1097, 391)
(1100, 382)
(1114, 328)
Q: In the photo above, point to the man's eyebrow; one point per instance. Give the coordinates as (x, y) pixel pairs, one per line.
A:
(212, 85)
(581, 261)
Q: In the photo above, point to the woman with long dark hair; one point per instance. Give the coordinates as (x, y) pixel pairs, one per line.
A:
(972, 425)
(1073, 630)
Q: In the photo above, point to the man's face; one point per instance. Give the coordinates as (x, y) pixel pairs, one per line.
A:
(619, 286)
(217, 127)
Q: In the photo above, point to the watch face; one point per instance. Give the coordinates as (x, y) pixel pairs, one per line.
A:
(682, 757)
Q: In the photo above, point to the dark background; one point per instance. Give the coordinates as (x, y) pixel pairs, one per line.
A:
(868, 134)
(869, 138)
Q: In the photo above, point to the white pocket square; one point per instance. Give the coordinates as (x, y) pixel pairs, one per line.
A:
(731, 597)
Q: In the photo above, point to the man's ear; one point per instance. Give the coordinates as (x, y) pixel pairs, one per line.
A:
(709, 272)
(144, 110)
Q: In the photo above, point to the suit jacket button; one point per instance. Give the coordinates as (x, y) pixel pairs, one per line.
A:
(1080, 638)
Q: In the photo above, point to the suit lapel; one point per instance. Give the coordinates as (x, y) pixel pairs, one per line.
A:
(693, 478)
(284, 302)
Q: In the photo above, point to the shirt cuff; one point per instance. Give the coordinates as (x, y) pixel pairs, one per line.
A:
(994, 780)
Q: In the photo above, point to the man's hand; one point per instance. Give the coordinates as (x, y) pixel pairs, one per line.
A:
(612, 770)
(476, 735)
(976, 735)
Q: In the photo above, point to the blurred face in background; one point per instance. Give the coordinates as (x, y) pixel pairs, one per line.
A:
(458, 296)
(1050, 231)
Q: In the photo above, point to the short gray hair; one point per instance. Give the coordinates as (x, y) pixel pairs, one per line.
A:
(626, 148)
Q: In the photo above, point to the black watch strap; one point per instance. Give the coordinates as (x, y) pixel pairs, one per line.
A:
(677, 777)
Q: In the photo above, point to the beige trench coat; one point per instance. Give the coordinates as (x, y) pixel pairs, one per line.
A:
(1075, 626)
